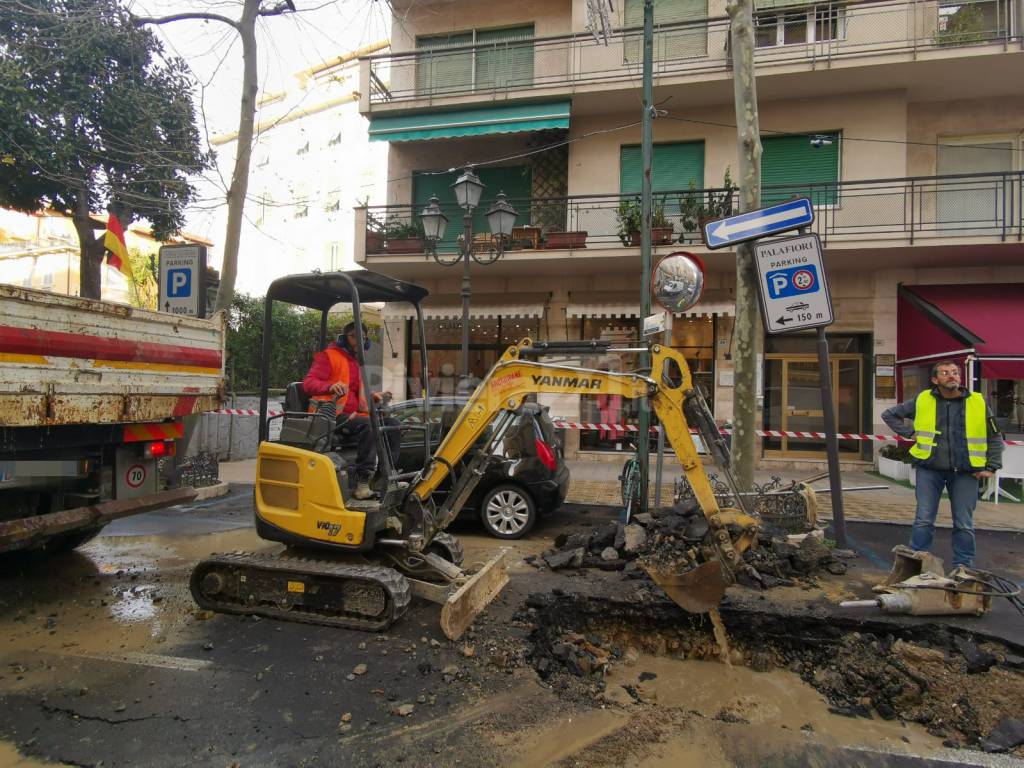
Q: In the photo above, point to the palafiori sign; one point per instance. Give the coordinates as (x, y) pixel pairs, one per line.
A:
(791, 283)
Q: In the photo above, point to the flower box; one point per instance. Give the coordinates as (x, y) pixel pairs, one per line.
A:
(897, 470)
(405, 245)
(374, 242)
(566, 240)
(659, 236)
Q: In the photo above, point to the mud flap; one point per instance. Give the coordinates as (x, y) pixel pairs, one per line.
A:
(468, 599)
(696, 590)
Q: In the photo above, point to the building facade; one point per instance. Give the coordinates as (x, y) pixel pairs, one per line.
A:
(900, 119)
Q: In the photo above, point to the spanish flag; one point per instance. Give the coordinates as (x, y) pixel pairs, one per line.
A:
(117, 251)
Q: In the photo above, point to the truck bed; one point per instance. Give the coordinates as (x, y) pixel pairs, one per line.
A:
(67, 360)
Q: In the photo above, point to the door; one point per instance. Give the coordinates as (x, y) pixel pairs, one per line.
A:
(793, 404)
(980, 204)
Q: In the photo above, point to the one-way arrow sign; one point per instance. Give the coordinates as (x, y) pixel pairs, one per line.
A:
(760, 223)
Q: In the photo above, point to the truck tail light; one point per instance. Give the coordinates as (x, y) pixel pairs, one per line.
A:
(545, 454)
(159, 450)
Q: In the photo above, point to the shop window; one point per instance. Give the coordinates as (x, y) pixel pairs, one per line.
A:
(488, 338)
(693, 337)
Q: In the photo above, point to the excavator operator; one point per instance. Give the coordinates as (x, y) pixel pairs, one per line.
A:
(335, 375)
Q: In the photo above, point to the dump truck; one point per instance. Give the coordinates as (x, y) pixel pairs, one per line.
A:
(92, 395)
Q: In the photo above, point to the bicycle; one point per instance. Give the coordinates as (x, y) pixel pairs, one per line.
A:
(629, 484)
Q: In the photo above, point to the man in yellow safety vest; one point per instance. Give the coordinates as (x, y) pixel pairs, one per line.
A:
(335, 375)
(956, 445)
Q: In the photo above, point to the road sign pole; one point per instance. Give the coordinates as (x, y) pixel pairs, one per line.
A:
(646, 155)
(835, 481)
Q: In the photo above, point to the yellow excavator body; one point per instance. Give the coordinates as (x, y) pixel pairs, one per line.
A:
(297, 492)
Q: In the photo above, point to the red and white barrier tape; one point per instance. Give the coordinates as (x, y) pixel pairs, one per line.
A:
(588, 426)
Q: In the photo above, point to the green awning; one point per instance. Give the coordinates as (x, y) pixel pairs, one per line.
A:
(471, 122)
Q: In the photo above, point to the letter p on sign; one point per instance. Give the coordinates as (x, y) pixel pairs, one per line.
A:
(179, 283)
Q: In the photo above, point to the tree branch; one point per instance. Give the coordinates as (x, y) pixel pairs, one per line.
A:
(277, 10)
(141, 20)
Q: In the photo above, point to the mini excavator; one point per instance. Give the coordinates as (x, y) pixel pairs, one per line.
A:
(356, 564)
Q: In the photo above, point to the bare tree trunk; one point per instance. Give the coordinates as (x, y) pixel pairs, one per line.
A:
(90, 250)
(243, 153)
(246, 28)
(747, 333)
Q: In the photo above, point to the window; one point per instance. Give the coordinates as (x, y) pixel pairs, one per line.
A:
(498, 59)
(798, 26)
(673, 167)
(801, 165)
(976, 204)
(973, 21)
(677, 41)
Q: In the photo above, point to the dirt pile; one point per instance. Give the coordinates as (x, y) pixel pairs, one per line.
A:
(671, 535)
(924, 673)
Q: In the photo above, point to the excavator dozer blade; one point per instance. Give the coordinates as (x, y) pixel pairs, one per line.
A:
(696, 590)
(462, 606)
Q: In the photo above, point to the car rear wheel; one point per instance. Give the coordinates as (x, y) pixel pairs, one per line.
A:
(508, 512)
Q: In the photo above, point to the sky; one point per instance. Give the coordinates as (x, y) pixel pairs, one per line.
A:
(291, 42)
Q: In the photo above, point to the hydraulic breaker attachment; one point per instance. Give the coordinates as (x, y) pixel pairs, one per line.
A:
(907, 563)
(465, 596)
(932, 594)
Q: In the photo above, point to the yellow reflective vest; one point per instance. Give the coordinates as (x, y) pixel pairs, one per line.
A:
(925, 408)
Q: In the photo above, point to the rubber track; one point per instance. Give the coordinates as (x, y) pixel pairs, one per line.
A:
(453, 545)
(395, 585)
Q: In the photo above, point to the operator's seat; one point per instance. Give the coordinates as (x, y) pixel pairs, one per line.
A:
(295, 398)
(300, 429)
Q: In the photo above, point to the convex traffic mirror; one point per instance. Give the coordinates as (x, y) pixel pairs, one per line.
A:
(678, 281)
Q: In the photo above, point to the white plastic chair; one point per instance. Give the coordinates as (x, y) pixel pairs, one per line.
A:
(1013, 468)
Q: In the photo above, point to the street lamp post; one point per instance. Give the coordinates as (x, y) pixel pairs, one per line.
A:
(501, 217)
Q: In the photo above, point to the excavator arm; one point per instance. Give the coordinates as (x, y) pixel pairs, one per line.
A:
(697, 584)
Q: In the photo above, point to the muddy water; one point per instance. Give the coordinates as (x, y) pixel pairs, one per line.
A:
(767, 708)
(115, 594)
(11, 758)
(720, 636)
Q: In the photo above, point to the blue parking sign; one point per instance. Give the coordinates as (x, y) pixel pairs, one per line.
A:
(179, 283)
(795, 281)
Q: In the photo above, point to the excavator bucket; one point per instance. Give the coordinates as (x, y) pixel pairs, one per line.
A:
(696, 590)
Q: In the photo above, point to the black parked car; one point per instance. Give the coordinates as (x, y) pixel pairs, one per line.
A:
(527, 476)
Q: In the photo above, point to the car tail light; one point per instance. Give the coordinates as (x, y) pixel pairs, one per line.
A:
(545, 454)
(159, 450)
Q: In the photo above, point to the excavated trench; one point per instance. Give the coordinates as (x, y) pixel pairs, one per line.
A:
(964, 689)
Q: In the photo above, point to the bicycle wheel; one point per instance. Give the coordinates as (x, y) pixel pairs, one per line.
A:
(630, 484)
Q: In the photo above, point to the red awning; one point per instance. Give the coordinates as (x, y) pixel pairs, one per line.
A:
(985, 318)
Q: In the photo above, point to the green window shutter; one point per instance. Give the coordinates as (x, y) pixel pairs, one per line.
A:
(672, 167)
(803, 170)
(668, 44)
(504, 58)
(438, 71)
(516, 181)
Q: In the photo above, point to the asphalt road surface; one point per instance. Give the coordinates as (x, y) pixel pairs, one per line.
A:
(108, 662)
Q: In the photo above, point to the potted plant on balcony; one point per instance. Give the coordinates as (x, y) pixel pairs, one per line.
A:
(556, 239)
(402, 237)
(630, 219)
(374, 234)
(697, 207)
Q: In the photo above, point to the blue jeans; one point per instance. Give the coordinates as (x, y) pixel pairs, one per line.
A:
(963, 497)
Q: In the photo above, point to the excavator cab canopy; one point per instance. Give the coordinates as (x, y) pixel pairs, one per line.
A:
(322, 291)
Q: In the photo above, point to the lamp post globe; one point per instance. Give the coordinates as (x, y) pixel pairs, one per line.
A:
(501, 216)
(434, 221)
(468, 189)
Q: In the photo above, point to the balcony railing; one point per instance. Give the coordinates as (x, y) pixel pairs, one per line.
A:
(983, 206)
(815, 34)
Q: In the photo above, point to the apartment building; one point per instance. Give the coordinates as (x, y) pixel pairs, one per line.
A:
(902, 120)
(311, 163)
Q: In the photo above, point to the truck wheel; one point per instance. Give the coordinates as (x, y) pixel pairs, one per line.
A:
(508, 512)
